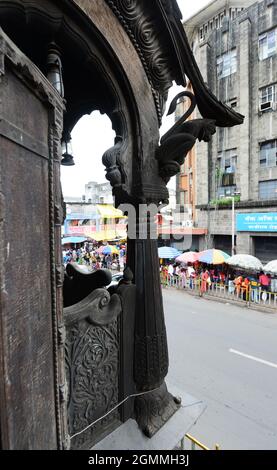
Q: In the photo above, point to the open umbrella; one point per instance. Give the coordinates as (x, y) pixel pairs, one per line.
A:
(271, 267)
(110, 250)
(100, 249)
(247, 262)
(213, 256)
(188, 257)
(167, 252)
(107, 250)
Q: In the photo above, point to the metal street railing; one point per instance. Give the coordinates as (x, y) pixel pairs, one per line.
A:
(246, 295)
(195, 443)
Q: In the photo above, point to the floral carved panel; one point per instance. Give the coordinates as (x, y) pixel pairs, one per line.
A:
(92, 365)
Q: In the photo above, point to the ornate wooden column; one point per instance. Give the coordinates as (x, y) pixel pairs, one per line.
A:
(152, 409)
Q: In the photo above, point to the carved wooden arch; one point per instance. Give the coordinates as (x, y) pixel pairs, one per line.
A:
(126, 94)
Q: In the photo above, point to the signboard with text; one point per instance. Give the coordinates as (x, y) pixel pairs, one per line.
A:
(257, 222)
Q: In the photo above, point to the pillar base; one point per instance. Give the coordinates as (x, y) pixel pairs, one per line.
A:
(154, 409)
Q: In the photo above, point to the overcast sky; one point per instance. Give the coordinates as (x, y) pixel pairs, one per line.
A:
(93, 135)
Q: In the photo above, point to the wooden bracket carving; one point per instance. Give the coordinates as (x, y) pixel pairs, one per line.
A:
(99, 308)
(182, 136)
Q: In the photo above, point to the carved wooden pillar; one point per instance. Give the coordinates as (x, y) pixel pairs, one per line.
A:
(152, 409)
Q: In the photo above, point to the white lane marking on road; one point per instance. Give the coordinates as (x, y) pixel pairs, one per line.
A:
(257, 359)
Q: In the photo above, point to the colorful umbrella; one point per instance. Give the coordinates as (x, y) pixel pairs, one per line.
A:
(213, 256)
(167, 252)
(247, 262)
(110, 250)
(107, 250)
(188, 257)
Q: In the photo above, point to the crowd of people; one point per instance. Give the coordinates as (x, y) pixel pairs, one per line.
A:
(245, 285)
(90, 256)
(248, 286)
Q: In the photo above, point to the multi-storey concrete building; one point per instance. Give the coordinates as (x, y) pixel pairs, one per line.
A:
(94, 215)
(98, 193)
(235, 45)
(96, 221)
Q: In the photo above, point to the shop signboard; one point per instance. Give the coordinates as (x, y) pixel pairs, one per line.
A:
(257, 222)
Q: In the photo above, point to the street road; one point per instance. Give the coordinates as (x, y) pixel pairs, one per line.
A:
(225, 355)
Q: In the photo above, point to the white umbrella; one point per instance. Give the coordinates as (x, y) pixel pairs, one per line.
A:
(247, 262)
(271, 267)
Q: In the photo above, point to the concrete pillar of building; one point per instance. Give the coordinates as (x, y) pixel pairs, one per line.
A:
(244, 130)
(201, 153)
(244, 243)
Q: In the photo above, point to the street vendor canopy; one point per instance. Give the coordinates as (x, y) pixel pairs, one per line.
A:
(108, 211)
(73, 240)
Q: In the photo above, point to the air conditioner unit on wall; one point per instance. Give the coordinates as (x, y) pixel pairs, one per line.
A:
(267, 105)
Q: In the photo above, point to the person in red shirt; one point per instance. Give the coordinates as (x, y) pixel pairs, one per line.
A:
(238, 281)
(264, 280)
(245, 288)
(205, 275)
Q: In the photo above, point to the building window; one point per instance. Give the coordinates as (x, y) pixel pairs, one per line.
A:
(268, 189)
(182, 198)
(227, 161)
(267, 94)
(226, 171)
(268, 154)
(226, 191)
(227, 64)
(268, 44)
(216, 22)
(201, 34)
(206, 29)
